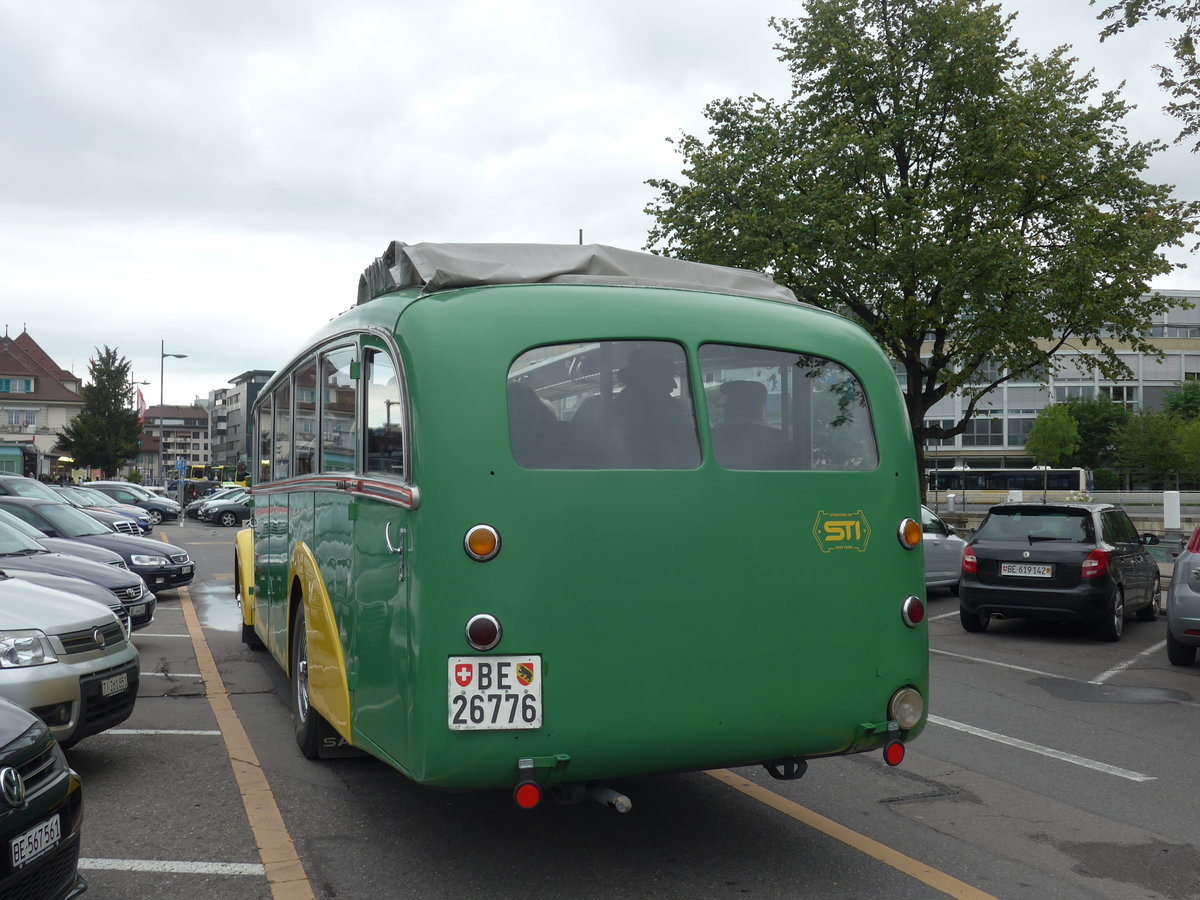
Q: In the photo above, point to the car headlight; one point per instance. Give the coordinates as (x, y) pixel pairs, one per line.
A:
(25, 648)
(140, 559)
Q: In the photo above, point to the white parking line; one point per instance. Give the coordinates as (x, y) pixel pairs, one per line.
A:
(140, 731)
(139, 634)
(1117, 670)
(1044, 751)
(992, 662)
(173, 867)
(171, 675)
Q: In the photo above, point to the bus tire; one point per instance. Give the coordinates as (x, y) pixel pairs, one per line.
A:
(972, 622)
(249, 637)
(1110, 627)
(306, 719)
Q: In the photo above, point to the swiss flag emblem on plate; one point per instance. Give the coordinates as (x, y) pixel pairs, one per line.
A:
(463, 673)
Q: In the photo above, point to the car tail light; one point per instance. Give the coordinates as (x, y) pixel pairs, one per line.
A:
(1095, 564)
(527, 794)
(970, 564)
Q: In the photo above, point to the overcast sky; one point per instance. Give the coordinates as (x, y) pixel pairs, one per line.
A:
(217, 175)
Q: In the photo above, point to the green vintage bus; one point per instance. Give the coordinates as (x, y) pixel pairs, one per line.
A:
(537, 517)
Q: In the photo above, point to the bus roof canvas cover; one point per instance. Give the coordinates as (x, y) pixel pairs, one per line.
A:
(440, 267)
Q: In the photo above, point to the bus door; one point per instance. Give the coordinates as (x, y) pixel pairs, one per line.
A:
(382, 544)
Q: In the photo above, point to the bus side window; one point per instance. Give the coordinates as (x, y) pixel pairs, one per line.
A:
(338, 402)
(305, 446)
(264, 441)
(281, 460)
(385, 416)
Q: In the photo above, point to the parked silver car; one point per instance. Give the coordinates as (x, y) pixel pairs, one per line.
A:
(66, 659)
(943, 552)
(1183, 605)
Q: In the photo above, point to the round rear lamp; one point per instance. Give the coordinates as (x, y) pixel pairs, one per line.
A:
(527, 794)
(912, 610)
(909, 533)
(893, 753)
(906, 707)
(482, 542)
(483, 631)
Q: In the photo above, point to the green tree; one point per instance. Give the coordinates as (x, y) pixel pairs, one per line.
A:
(973, 207)
(1147, 447)
(1053, 437)
(1097, 421)
(1181, 81)
(104, 434)
(1184, 400)
(1187, 450)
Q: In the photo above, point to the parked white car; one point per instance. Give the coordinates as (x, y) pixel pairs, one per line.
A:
(65, 658)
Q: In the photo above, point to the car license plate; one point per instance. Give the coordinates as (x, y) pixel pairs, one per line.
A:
(117, 684)
(493, 693)
(186, 570)
(139, 610)
(1027, 570)
(25, 848)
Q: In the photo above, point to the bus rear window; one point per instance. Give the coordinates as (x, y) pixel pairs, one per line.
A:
(770, 409)
(603, 405)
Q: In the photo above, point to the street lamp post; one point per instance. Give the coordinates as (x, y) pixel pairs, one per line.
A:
(162, 358)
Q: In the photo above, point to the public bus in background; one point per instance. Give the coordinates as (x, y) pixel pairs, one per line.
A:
(538, 517)
(226, 476)
(988, 486)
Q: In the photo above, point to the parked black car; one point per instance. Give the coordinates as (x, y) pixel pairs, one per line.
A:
(228, 512)
(161, 509)
(42, 812)
(1070, 562)
(163, 566)
(20, 554)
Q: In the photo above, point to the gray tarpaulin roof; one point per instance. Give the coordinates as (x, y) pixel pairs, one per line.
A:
(439, 267)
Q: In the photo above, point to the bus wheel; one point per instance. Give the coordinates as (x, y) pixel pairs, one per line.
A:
(973, 622)
(306, 718)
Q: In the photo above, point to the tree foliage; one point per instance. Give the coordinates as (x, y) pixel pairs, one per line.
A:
(1183, 401)
(104, 435)
(1147, 446)
(967, 203)
(1181, 81)
(1053, 438)
(1098, 421)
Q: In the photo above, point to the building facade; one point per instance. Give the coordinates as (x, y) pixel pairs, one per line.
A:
(38, 399)
(231, 418)
(995, 438)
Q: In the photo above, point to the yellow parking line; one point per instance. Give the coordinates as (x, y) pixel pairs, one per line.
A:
(936, 879)
(285, 872)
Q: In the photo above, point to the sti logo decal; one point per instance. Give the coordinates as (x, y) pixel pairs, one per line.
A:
(842, 531)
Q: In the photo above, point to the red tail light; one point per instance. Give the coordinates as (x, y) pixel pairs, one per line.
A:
(969, 563)
(1095, 564)
(893, 753)
(527, 794)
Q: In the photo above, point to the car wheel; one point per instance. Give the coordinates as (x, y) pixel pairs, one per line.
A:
(1113, 623)
(305, 717)
(228, 519)
(1149, 612)
(1180, 654)
(973, 622)
(156, 517)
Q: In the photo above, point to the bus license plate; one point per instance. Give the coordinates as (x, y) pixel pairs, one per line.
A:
(27, 847)
(1026, 570)
(494, 693)
(117, 684)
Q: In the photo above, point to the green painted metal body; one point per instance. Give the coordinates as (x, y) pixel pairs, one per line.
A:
(685, 619)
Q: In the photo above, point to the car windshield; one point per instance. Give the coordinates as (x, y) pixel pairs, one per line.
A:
(27, 487)
(13, 541)
(95, 498)
(1037, 525)
(7, 518)
(71, 522)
